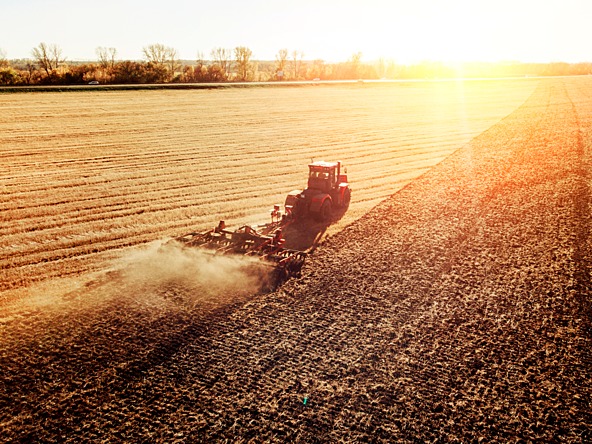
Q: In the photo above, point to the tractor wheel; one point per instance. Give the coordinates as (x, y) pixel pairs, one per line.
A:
(346, 198)
(326, 211)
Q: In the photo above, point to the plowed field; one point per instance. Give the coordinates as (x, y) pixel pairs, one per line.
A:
(456, 310)
(85, 175)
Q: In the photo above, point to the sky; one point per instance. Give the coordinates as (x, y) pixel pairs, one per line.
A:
(405, 31)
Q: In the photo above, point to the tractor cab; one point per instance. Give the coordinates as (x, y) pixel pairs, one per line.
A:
(327, 189)
(325, 176)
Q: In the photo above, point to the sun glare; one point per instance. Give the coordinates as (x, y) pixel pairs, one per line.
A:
(333, 30)
(458, 31)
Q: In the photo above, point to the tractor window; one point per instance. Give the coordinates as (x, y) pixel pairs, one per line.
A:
(319, 175)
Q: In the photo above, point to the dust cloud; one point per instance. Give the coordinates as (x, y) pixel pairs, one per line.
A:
(189, 276)
(160, 277)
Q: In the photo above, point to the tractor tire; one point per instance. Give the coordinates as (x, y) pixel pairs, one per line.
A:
(346, 198)
(326, 212)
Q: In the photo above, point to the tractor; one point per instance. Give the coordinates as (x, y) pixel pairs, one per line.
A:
(327, 190)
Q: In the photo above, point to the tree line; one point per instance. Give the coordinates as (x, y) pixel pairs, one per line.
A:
(161, 64)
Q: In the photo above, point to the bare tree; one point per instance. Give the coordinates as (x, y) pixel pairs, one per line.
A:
(281, 61)
(3, 60)
(354, 63)
(317, 70)
(380, 67)
(30, 73)
(106, 57)
(297, 57)
(55, 53)
(156, 54)
(49, 57)
(214, 72)
(172, 61)
(197, 72)
(222, 57)
(162, 58)
(242, 56)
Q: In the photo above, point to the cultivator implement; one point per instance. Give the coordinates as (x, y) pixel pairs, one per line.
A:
(264, 242)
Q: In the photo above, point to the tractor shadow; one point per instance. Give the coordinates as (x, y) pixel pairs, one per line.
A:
(306, 234)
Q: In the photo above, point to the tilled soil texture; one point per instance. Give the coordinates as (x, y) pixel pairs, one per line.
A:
(87, 176)
(456, 311)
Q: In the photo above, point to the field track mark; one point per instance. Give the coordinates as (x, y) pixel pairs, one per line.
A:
(582, 244)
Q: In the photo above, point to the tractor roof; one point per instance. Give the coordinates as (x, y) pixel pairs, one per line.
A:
(323, 164)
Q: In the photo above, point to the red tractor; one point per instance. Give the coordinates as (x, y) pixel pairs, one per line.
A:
(327, 190)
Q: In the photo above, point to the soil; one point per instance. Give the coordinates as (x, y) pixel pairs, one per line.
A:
(88, 175)
(458, 310)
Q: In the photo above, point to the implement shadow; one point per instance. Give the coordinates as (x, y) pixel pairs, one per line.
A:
(306, 234)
